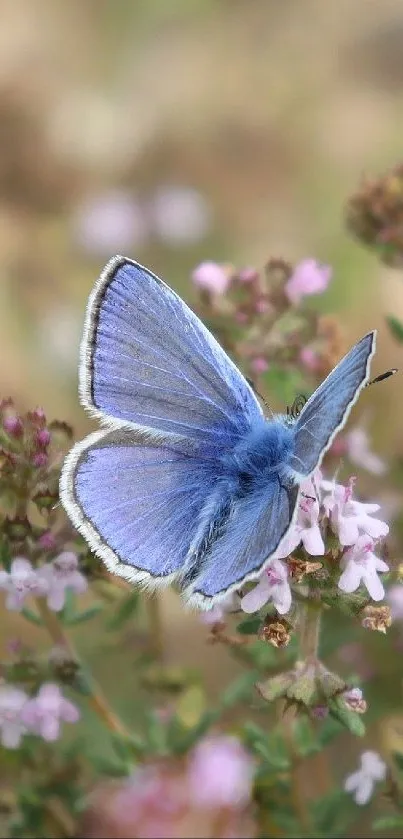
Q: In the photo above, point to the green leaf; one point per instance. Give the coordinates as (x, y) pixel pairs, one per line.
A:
(250, 626)
(32, 617)
(349, 719)
(396, 327)
(125, 611)
(86, 615)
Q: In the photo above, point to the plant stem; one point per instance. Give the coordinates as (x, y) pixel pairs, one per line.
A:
(155, 627)
(309, 629)
(96, 698)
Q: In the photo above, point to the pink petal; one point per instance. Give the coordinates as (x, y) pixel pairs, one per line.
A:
(353, 781)
(56, 598)
(312, 541)
(350, 578)
(20, 566)
(282, 600)
(375, 528)
(257, 597)
(373, 584)
(50, 728)
(347, 529)
(364, 791)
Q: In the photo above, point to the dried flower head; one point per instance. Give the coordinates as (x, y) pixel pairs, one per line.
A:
(377, 618)
(276, 632)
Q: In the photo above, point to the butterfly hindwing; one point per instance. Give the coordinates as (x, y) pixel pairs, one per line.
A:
(148, 361)
(329, 406)
(255, 529)
(136, 504)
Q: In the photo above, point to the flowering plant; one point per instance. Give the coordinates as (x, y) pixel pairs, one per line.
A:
(234, 767)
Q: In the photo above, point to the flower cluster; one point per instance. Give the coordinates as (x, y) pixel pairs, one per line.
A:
(374, 215)
(269, 325)
(41, 715)
(209, 792)
(327, 510)
(50, 580)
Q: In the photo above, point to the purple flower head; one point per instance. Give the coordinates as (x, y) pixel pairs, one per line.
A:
(13, 425)
(211, 277)
(42, 437)
(273, 585)
(62, 574)
(361, 565)
(361, 783)
(12, 727)
(44, 714)
(220, 773)
(309, 277)
(350, 518)
(21, 582)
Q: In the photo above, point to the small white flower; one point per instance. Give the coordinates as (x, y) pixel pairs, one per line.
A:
(58, 576)
(273, 585)
(350, 518)
(361, 783)
(361, 565)
(22, 581)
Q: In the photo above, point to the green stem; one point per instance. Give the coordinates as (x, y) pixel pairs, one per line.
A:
(96, 698)
(309, 629)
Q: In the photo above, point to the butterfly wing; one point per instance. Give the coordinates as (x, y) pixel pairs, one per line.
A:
(136, 503)
(256, 527)
(327, 410)
(148, 361)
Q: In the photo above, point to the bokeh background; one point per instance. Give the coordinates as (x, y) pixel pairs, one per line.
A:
(231, 130)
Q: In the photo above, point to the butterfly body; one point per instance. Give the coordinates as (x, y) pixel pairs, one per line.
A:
(187, 481)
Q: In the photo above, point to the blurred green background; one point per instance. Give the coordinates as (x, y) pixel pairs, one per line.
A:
(231, 130)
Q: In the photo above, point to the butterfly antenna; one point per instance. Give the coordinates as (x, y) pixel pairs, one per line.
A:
(252, 385)
(382, 376)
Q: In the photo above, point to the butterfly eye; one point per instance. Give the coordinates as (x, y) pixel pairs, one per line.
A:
(297, 406)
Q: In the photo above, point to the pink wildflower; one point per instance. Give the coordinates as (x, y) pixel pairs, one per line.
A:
(211, 277)
(220, 773)
(43, 714)
(60, 575)
(309, 277)
(361, 565)
(22, 581)
(273, 585)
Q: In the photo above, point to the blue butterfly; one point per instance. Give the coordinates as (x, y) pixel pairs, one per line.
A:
(187, 481)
